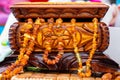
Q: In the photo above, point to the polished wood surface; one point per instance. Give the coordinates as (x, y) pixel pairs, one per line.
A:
(84, 31)
(59, 10)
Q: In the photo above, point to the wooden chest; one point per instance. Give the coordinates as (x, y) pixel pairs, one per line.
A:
(60, 37)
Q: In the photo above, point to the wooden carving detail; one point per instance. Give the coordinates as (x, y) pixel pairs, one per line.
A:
(51, 31)
(69, 62)
(56, 13)
(12, 36)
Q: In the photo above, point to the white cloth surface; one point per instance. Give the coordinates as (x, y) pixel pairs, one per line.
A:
(5, 50)
(108, 16)
(113, 50)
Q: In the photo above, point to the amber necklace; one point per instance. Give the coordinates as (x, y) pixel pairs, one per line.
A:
(59, 47)
(87, 72)
(25, 51)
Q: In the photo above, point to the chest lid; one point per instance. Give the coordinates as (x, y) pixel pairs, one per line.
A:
(59, 10)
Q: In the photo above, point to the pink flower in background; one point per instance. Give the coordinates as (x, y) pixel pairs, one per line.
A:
(4, 10)
(95, 0)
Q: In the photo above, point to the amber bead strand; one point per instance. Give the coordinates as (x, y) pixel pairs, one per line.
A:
(15, 67)
(22, 60)
(94, 47)
(48, 47)
(73, 22)
(57, 58)
(80, 69)
(87, 72)
(31, 44)
(30, 47)
(26, 40)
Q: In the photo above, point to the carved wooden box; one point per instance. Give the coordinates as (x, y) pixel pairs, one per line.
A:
(60, 37)
(60, 17)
